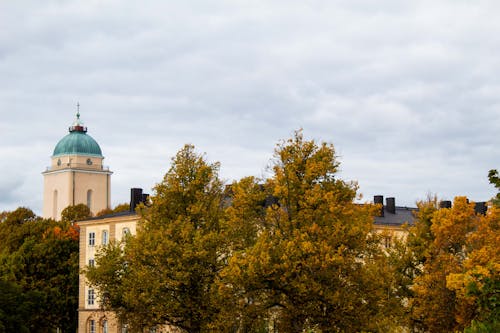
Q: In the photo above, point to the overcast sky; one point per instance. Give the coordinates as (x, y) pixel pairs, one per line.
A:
(407, 91)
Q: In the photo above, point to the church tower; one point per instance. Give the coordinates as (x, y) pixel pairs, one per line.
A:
(76, 174)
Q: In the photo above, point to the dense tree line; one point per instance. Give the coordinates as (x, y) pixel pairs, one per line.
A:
(449, 269)
(294, 253)
(39, 271)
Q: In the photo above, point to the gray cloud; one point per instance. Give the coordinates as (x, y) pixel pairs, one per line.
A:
(407, 91)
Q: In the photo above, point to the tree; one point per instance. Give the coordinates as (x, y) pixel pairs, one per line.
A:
(15, 227)
(435, 306)
(75, 213)
(308, 259)
(495, 181)
(176, 254)
(124, 207)
(478, 282)
(14, 308)
(40, 257)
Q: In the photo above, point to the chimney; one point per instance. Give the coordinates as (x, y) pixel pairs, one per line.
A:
(135, 198)
(145, 197)
(480, 208)
(379, 199)
(391, 205)
(445, 204)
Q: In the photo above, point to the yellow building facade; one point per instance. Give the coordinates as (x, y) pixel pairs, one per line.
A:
(95, 233)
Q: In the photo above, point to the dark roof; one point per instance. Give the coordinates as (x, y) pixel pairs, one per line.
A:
(403, 215)
(126, 213)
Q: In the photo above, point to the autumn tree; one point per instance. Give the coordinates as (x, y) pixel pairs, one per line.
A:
(305, 258)
(458, 280)
(176, 254)
(478, 282)
(495, 181)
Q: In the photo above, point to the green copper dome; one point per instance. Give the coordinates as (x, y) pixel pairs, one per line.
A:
(77, 142)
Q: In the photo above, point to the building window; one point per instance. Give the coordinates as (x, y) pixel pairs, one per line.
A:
(125, 232)
(92, 326)
(91, 238)
(89, 199)
(91, 262)
(104, 326)
(104, 237)
(387, 242)
(124, 328)
(91, 297)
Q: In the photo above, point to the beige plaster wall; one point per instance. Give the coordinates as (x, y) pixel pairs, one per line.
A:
(75, 161)
(72, 184)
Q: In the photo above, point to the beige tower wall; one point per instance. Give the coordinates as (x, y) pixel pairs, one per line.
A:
(99, 184)
(71, 176)
(53, 182)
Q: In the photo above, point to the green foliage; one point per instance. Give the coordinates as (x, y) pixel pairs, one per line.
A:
(75, 213)
(40, 258)
(15, 308)
(479, 327)
(124, 207)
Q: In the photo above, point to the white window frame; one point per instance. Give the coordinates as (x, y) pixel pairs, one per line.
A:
(92, 238)
(105, 237)
(92, 326)
(91, 297)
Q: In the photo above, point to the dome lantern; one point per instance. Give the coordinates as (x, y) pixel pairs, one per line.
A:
(77, 142)
(78, 124)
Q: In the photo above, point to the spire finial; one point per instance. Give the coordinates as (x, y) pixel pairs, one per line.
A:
(77, 125)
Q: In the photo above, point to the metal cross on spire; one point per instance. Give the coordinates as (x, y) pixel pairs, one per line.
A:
(78, 110)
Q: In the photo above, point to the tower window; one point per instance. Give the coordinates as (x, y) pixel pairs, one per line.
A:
(91, 238)
(91, 262)
(54, 205)
(89, 199)
(387, 242)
